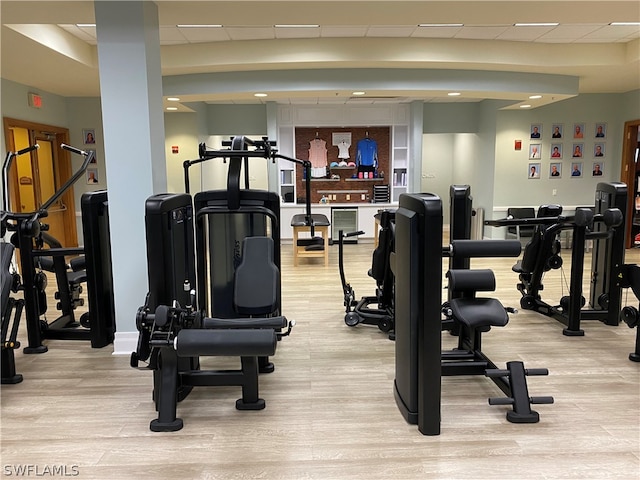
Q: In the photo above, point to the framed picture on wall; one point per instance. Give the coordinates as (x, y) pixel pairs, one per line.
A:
(578, 130)
(535, 150)
(88, 136)
(597, 169)
(92, 176)
(94, 160)
(576, 169)
(556, 150)
(601, 130)
(536, 130)
(578, 150)
(556, 130)
(598, 150)
(555, 170)
(534, 170)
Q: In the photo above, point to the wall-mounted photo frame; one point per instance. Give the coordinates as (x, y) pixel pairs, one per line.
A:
(535, 151)
(601, 130)
(555, 170)
(576, 170)
(94, 159)
(88, 136)
(597, 170)
(92, 176)
(577, 150)
(536, 130)
(598, 150)
(534, 171)
(578, 130)
(556, 130)
(556, 150)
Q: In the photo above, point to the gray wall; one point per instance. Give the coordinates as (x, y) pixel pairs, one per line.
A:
(463, 143)
(236, 119)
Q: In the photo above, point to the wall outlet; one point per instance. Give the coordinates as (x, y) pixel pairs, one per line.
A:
(362, 197)
(554, 192)
(348, 197)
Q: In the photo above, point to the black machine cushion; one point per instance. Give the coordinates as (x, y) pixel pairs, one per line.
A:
(464, 280)
(479, 312)
(192, 342)
(257, 279)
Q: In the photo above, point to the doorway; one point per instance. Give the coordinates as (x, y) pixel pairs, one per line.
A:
(631, 176)
(35, 177)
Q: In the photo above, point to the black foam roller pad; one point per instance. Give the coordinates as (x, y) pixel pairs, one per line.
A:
(486, 248)
(230, 342)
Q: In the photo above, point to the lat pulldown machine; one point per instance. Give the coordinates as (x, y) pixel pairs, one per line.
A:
(214, 284)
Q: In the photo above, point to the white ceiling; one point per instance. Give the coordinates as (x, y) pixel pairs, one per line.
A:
(43, 47)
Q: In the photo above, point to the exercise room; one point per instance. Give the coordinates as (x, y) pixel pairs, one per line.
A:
(399, 242)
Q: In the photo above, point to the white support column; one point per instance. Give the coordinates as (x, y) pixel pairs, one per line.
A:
(133, 128)
(416, 121)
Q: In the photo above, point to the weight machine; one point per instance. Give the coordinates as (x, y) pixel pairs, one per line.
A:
(214, 284)
(29, 238)
(605, 226)
(420, 361)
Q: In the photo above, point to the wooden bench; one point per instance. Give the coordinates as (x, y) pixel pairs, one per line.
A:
(301, 246)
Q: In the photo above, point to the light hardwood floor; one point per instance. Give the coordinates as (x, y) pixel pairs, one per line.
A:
(330, 409)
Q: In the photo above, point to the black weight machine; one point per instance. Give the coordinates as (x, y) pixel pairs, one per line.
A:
(360, 311)
(29, 238)
(420, 361)
(363, 311)
(214, 284)
(605, 226)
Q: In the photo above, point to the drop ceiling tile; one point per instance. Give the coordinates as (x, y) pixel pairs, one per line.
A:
(390, 31)
(482, 32)
(251, 33)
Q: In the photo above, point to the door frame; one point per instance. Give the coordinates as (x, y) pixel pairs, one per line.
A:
(62, 172)
(628, 173)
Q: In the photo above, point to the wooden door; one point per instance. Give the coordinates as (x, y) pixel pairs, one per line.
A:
(36, 176)
(630, 175)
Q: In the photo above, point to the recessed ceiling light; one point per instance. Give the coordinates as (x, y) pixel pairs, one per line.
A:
(259, 94)
(525, 106)
(194, 25)
(537, 24)
(173, 99)
(453, 94)
(298, 25)
(85, 25)
(358, 93)
(625, 24)
(441, 25)
(172, 108)
(534, 97)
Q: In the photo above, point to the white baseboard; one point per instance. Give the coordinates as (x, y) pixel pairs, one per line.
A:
(125, 343)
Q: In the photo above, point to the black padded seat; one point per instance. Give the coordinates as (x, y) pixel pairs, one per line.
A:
(479, 312)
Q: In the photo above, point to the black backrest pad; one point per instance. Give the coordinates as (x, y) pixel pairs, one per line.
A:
(257, 279)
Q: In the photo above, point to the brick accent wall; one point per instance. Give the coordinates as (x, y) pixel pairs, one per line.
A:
(342, 187)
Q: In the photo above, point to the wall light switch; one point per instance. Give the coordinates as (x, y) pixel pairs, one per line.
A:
(348, 197)
(554, 192)
(362, 197)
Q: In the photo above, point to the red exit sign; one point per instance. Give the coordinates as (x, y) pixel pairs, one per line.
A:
(35, 100)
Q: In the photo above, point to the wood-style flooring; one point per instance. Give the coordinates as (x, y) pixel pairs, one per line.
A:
(330, 412)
